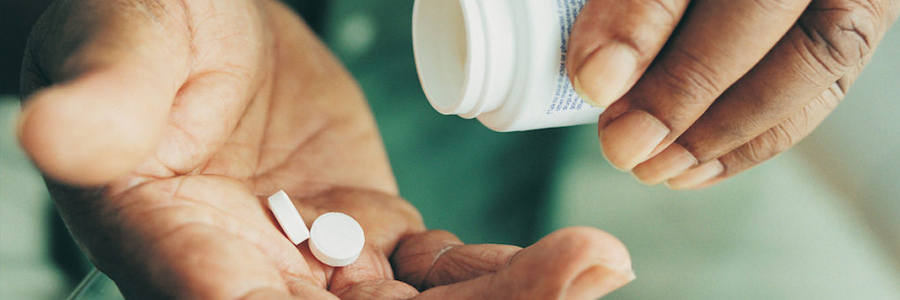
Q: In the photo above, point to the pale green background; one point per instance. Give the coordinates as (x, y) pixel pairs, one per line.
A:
(821, 221)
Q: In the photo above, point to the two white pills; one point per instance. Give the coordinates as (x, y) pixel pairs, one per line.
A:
(335, 239)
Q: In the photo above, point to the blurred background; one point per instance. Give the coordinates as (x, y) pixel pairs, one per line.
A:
(821, 221)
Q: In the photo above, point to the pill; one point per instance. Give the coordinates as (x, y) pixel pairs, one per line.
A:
(336, 239)
(287, 216)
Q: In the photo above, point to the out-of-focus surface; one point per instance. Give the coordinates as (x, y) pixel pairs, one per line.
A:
(16, 18)
(27, 267)
(819, 222)
(781, 231)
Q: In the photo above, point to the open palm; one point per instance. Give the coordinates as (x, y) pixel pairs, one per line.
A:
(161, 127)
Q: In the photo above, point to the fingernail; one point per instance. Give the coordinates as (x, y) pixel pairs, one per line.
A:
(694, 177)
(630, 138)
(599, 280)
(624, 270)
(669, 163)
(603, 78)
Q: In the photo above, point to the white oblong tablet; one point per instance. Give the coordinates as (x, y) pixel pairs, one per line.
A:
(286, 214)
(336, 239)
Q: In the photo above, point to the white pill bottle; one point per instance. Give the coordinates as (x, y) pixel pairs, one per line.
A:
(501, 61)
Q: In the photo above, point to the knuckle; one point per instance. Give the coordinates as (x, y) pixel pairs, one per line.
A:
(690, 76)
(645, 31)
(772, 142)
(663, 10)
(832, 95)
(776, 8)
(446, 270)
(789, 132)
(839, 34)
(712, 139)
(784, 135)
(423, 249)
(750, 153)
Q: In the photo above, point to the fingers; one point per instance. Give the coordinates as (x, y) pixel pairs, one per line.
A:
(438, 258)
(202, 237)
(230, 70)
(716, 44)
(385, 219)
(572, 263)
(113, 74)
(268, 293)
(765, 146)
(575, 263)
(430, 259)
(783, 98)
(415, 255)
(197, 237)
(379, 289)
(613, 42)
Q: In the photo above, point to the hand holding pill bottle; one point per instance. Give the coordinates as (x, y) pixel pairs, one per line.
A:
(500, 61)
(689, 97)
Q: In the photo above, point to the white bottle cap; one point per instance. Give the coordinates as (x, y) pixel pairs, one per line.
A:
(465, 53)
(287, 216)
(336, 239)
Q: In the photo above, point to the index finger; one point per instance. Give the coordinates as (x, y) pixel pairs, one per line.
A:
(716, 44)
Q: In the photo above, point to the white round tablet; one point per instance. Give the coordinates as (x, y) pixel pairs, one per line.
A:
(286, 214)
(336, 239)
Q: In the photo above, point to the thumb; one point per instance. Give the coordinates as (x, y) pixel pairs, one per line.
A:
(613, 43)
(101, 76)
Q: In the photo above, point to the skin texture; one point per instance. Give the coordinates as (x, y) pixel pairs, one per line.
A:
(162, 126)
(698, 91)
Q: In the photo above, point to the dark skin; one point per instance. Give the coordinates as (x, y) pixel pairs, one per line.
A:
(161, 128)
(162, 125)
(698, 91)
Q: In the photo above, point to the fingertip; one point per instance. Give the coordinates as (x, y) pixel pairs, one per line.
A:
(592, 244)
(606, 74)
(581, 247)
(697, 177)
(86, 137)
(709, 183)
(597, 281)
(608, 267)
(587, 263)
(631, 138)
(669, 163)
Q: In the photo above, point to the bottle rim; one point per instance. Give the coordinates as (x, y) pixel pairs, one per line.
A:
(449, 46)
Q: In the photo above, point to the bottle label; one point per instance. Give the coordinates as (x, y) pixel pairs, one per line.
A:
(565, 98)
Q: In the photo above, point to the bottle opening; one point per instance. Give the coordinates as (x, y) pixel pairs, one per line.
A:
(441, 45)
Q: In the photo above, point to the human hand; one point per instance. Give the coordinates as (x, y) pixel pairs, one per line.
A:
(162, 126)
(735, 84)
